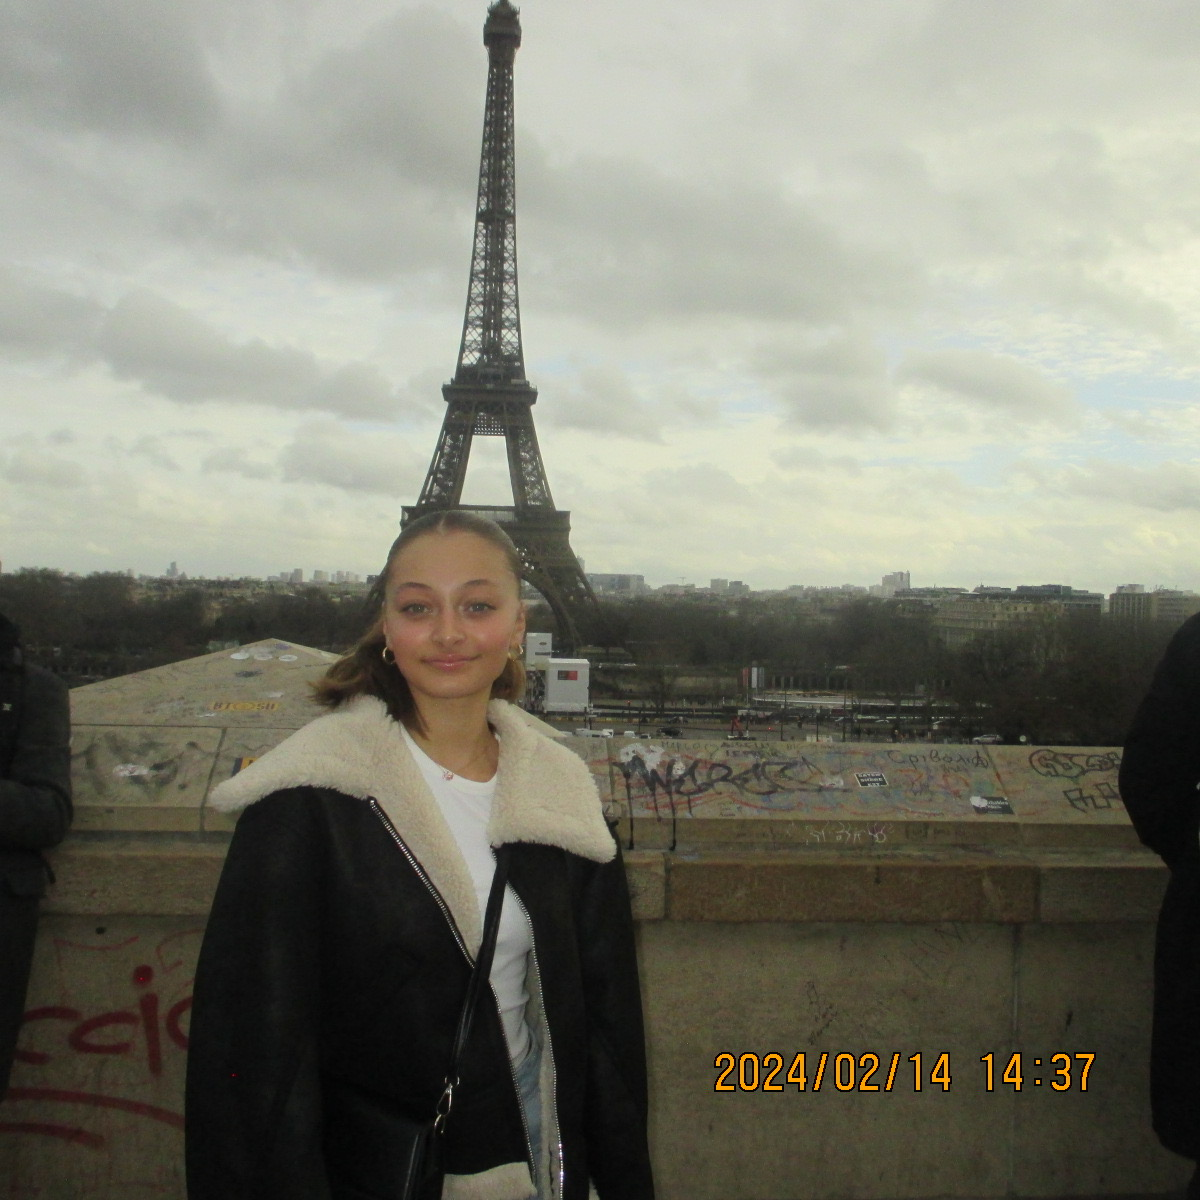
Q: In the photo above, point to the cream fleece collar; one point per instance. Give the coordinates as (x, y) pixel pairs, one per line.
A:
(544, 792)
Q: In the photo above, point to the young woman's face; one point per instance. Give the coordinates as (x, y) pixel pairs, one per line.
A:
(453, 613)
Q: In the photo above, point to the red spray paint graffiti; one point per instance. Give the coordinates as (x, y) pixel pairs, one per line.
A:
(59, 1040)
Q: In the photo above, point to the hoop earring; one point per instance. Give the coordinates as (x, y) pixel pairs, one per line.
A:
(388, 655)
(515, 654)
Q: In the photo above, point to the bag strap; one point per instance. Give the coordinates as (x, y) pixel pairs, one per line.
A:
(480, 975)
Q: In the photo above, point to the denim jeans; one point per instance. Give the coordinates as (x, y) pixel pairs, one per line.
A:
(527, 1085)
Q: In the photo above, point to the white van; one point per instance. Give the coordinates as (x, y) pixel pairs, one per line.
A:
(593, 733)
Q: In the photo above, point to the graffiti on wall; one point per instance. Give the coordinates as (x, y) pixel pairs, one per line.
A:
(852, 781)
(666, 782)
(100, 1058)
(1085, 795)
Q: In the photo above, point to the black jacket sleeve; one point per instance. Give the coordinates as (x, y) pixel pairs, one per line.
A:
(616, 1105)
(253, 1102)
(1160, 767)
(35, 792)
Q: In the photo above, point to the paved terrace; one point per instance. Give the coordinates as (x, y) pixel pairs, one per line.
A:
(890, 913)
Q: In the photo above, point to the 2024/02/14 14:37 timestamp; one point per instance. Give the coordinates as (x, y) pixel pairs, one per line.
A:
(870, 1072)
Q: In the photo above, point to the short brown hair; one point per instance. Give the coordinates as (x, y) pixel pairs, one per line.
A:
(362, 671)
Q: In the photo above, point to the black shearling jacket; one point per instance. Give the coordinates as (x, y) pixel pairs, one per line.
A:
(336, 958)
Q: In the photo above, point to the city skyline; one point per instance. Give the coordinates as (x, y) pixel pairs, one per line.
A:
(889, 582)
(806, 288)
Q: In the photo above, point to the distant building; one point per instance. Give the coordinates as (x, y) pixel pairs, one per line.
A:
(1131, 602)
(897, 581)
(618, 585)
(1072, 599)
(931, 594)
(173, 571)
(719, 586)
(738, 588)
(296, 576)
(1174, 607)
(959, 618)
(320, 577)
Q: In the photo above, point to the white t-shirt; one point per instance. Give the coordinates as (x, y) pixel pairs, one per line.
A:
(467, 804)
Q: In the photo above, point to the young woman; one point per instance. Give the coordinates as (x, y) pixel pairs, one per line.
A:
(342, 934)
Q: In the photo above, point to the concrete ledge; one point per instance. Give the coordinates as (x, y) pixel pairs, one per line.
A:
(774, 888)
(176, 876)
(127, 878)
(1129, 889)
(906, 885)
(647, 876)
(856, 835)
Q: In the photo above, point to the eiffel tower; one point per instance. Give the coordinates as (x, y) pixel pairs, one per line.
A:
(489, 395)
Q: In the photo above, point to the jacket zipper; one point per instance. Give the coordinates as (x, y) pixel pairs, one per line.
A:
(549, 1050)
(437, 896)
(416, 866)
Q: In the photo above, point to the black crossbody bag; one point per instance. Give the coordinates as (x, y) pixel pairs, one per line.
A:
(370, 1140)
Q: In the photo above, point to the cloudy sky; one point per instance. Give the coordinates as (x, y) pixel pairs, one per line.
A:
(811, 291)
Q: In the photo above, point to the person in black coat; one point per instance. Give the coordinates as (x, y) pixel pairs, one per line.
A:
(35, 812)
(1159, 777)
(349, 911)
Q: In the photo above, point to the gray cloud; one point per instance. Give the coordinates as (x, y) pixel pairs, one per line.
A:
(622, 242)
(356, 389)
(364, 162)
(1072, 287)
(168, 350)
(840, 384)
(993, 382)
(408, 95)
(705, 482)
(420, 399)
(151, 448)
(810, 461)
(328, 453)
(1025, 145)
(604, 401)
(132, 67)
(39, 321)
(43, 469)
(236, 461)
(220, 130)
(1164, 487)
